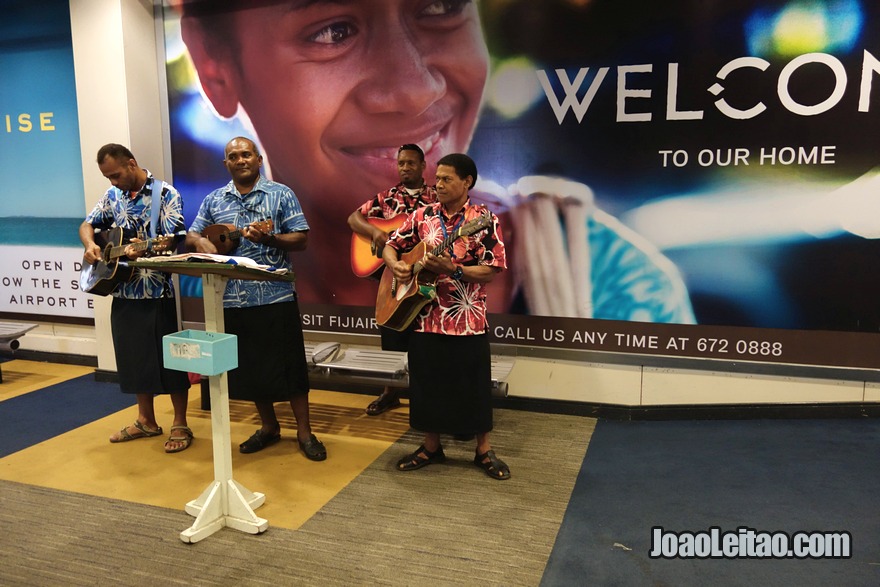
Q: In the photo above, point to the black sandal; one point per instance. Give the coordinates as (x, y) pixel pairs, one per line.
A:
(494, 467)
(383, 403)
(258, 441)
(421, 458)
(313, 449)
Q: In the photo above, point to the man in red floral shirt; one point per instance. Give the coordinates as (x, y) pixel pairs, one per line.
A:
(393, 205)
(449, 356)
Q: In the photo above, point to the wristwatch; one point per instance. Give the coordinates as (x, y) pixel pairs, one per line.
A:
(457, 274)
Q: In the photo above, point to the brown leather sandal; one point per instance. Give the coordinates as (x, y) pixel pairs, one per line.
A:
(184, 436)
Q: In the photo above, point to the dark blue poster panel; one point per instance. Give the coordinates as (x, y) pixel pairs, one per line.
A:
(691, 179)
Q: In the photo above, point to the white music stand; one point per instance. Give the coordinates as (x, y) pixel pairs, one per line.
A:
(225, 502)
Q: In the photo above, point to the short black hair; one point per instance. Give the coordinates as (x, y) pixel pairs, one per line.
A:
(240, 138)
(115, 151)
(463, 165)
(412, 147)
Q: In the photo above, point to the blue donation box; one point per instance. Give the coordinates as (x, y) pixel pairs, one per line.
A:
(197, 351)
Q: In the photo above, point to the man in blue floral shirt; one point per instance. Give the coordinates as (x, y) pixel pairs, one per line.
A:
(263, 314)
(143, 309)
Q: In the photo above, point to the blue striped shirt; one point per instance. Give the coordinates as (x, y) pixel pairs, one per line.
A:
(267, 200)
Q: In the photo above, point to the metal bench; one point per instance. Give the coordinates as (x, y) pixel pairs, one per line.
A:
(501, 367)
(10, 332)
(338, 363)
(371, 365)
(373, 361)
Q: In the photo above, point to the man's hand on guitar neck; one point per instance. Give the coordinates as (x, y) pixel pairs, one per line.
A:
(255, 234)
(439, 264)
(130, 251)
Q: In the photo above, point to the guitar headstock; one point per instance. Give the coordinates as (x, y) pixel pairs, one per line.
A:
(162, 244)
(477, 224)
(266, 226)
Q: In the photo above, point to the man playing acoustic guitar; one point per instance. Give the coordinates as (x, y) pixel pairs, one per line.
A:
(449, 356)
(371, 224)
(143, 309)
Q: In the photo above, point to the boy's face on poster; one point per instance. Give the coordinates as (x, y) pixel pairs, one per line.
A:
(334, 88)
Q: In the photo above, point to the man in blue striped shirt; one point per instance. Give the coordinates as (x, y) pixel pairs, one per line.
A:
(263, 314)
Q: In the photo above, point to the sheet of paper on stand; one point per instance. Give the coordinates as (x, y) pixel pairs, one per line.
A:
(211, 258)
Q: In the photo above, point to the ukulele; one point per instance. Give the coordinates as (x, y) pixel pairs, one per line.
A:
(365, 260)
(104, 275)
(227, 238)
(398, 303)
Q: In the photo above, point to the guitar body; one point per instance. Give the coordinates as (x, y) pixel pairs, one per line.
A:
(397, 303)
(226, 237)
(365, 263)
(103, 277)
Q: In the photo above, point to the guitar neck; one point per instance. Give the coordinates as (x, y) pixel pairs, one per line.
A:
(161, 242)
(444, 244)
(119, 251)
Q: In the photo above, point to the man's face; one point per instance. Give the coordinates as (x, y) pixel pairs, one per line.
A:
(411, 169)
(333, 88)
(243, 162)
(451, 189)
(122, 173)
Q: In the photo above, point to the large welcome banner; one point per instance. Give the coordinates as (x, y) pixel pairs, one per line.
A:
(41, 182)
(673, 178)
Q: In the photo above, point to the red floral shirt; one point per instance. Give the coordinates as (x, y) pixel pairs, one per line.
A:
(460, 307)
(395, 201)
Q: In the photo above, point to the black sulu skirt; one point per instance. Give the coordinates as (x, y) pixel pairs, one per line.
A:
(271, 353)
(450, 380)
(137, 327)
(394, 340)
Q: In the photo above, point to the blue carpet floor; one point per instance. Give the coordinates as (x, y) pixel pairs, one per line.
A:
(39, 415)
(767, 475)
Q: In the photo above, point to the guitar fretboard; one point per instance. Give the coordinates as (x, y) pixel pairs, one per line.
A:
(468, 229)
(117, 252)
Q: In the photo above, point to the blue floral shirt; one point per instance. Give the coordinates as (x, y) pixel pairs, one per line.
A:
(267, 200)
(134, 216)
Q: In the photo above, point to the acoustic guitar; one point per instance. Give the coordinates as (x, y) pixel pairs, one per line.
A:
(398, 303)
(365, 259)
(226, 237)
(104, 275)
